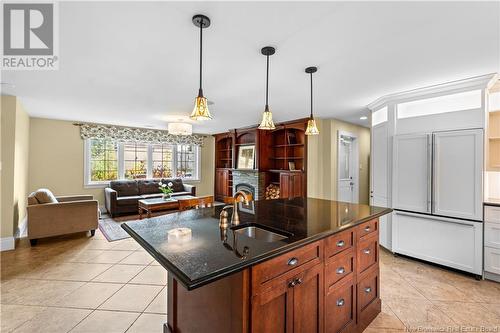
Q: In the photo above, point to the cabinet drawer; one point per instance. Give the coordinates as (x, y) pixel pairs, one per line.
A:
(340, 267)
(492, 214)
(338, 243)
(492, 235)
(492, 260)
(367, 253)
(367, 228)
(340, 307)
(312, 253)
(368, 289)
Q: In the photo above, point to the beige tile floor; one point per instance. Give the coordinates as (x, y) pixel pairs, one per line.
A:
(80, 284)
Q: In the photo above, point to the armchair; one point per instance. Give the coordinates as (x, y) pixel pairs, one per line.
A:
(69, 214)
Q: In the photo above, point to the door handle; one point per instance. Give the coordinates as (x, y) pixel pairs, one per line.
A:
(340, 270)
(366, 251)
(368, 290)
(293, 261)
(340, 243)
(340, 302)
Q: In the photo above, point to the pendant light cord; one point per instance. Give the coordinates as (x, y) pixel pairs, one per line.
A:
(311, 95)
(200, 92)
(267, 84)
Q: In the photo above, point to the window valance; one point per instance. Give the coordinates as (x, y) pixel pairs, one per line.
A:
(134, 134)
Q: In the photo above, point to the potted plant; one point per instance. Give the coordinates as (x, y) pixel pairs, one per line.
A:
(166, 189)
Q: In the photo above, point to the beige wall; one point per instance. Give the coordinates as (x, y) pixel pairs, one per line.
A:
(15, 156)
(322, 159)
(57, 160)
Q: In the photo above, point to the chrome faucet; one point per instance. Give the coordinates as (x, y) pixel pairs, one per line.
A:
(235, 218)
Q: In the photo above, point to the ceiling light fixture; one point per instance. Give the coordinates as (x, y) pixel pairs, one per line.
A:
(311, 129)
(363, 117)
(200, 111)
(267, 117)
(180, 129)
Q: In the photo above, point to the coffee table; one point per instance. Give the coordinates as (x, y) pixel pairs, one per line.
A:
(157, 204)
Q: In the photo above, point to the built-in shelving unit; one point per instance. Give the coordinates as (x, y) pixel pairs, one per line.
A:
(280, 154)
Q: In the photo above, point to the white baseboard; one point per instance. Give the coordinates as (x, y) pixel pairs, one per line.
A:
(6, 243)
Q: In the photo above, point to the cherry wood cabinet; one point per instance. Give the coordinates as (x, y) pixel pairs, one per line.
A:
(291, 185)
(292, 304)
(328, 286)
(223, 184)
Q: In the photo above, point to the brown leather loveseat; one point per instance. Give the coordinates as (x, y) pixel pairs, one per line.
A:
(122, 196)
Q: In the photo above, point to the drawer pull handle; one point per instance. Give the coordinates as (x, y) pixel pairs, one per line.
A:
(366, 251)
(368, 290)
(340, 270)
(340, 243)
(295, 282)
(367, 228)
(293, 261)
(340, 302)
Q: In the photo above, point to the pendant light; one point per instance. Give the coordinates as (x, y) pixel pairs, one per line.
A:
(200, 111)
(267, 117)
(311, 129)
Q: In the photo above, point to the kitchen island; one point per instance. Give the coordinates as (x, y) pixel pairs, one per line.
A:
(300, 265)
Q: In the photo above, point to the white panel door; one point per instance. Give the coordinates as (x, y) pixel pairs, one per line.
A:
(457, 174)
(412, 173)
(450, 242)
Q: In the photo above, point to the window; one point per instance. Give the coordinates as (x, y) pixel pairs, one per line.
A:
(108, 160)
(135, 157)
(186, 161)
(103, 160)
(468, 100)
(379, 116)
(163, 157)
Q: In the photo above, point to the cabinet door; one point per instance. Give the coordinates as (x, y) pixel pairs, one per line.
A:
(308, 301)
(272, 311)
(379, 161)
(458, 170)
(285, 185)
(340, 307)
(412, 173)
(296, 182)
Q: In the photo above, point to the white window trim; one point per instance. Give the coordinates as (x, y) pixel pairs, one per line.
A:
(121, 166)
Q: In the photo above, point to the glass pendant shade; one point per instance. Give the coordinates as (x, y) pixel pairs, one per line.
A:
(312, 129)
(267, 121)
(180, 129)
(200, 111)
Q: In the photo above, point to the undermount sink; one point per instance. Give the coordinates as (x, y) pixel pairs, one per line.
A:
(259, 234)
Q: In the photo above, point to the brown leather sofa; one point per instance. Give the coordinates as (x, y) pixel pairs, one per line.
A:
(122, 196)
(61, 215)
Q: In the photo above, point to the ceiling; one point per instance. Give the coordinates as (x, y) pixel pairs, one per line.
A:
(136, 63)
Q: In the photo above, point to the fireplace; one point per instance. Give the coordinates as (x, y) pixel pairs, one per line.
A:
(251, 181)
(247, 188)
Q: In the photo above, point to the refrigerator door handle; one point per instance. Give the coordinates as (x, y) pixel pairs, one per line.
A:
(429, 172)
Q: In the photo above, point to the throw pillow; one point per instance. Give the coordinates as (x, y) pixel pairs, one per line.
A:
(44, 195)
(32, 199)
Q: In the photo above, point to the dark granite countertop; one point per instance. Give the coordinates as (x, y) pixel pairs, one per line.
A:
(205, 258)
(492, 202)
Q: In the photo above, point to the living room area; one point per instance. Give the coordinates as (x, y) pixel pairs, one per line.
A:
(163, 146)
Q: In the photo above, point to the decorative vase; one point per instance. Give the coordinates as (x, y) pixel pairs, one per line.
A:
(167, 196)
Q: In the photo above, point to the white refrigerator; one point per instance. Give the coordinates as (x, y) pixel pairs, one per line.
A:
(438, 198)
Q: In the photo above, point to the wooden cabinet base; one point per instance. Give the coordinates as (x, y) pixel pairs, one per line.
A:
(329, 286)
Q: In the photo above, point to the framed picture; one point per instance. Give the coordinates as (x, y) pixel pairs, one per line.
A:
(246, 157)
(291, 165)
(291, 138)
